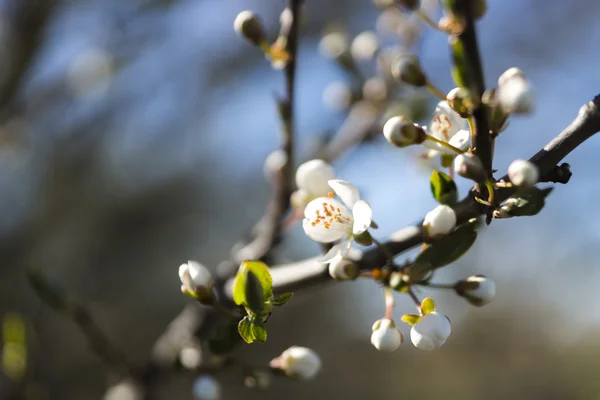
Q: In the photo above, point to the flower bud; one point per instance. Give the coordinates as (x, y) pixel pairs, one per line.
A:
(343, 270)
(196, 279)
(206, 388)
(469, 166)
(515, 94)
(460, 100)
(312, 177)
(439, 221)
(124, 390)
(248, 25)
(431, 331)
(334, 45)
(298, 362)
(523, 173)
(385, 336)
(505, 211)
(477, 289)
(407, 69)
(408, 5)
(299, 199)
(364, 46)
(402, 132)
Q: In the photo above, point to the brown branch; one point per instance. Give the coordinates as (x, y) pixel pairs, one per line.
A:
(309, 272)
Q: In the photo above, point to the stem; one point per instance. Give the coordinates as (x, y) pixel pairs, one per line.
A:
(445, 144)
(414, 297)
(426, 19)
(384, 250)
(490, 187)
(435, 91)
(389, 302)
(438, 285)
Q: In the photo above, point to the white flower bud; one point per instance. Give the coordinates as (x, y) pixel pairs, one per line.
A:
(298, 362)
(515, 93)
(334, 45)
(274, 162)
(248, 25)
(385, 336)
(375, 89)
(439, 221)
(523, 173)
(431, 331)
(343, 270)
(337, 96)
(312, 177)
(124, 390)
(364, 46)
(469, 166)
(477, 289)
(407, 69)
(196, 280)
(206, 388)
(402, 132)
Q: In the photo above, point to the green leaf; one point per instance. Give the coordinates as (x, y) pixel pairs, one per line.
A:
(259, 331)
(410, 319)
(427, 306)
(225, 339)
(527, 202)
(443, 188)
(245, 329)
(446, 250)
(282, 299)
(253, 278)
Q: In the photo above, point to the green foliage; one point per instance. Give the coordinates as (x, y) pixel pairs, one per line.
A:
(427, 306)
(410, 319)
(527, 202)
(446, 250)
(443, 188)
(282, 299)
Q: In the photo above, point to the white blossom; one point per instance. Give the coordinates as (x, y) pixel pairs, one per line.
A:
(327, 220)
(298, 362)
(515, 93)
(439, 221)
(446, 125)
(206, 388)
(523, 173)
(385, 336)
(431, 331)
(483, 294)
(194, 276)
(364, 46)
(313, 178)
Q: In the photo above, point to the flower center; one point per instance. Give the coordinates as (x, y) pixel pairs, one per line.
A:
(329, 214)
(443, 125)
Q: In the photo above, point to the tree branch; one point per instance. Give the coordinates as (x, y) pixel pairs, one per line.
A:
(309, 272)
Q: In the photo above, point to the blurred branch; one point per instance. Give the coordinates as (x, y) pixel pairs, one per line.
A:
(59, 301)
(27, 21)
(308, 272)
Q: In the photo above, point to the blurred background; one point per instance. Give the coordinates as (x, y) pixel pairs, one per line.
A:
(132, 138)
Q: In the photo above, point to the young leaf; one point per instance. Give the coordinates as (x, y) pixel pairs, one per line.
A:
(255, 298)
(446, 250)
(282, 299)
(259, 331)
(245, 329)
(410, 319)
(443, 188)
(261, 279)
(427, 306)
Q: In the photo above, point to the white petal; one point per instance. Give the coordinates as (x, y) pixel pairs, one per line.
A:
(422, 342)
(434, 326)
(199, 274)
(326, 220)
(363, 216)
(336, 253)
(345, 191)
(462, 140)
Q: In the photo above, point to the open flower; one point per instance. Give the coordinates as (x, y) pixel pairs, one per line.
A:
(446, 125)
(327, 220)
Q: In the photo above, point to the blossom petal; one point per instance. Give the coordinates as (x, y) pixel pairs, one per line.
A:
(337, 252)
(326, 220)
(363, 216)
(462, 139)
(345, 191)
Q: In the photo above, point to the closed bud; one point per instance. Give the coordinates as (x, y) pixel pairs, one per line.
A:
(515, 94)
(439, 221)
(402, 132)
(313, 176)
(407, 69)
(248, 25)
(364, 46)
(523, 173)
(385, 336)
(477, 290)
(461, 101)
(334, 45)
(431, 331)
(408, 5)
(343, 270)
(479, 8)
(298, 362)
(469, 166)
(196, 280)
